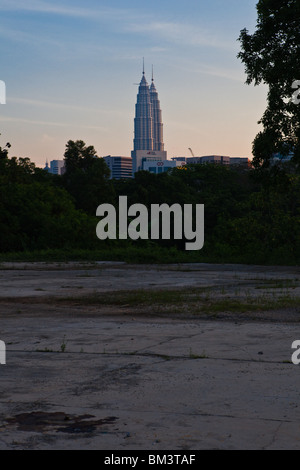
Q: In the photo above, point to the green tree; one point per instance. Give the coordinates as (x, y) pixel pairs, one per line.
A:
(15, 169)
(86, 177)
(78, 156)
(4, 151)
(36, 214)
(40, 216)
(271, 56)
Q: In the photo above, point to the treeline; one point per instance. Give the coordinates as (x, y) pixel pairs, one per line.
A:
(251, 215)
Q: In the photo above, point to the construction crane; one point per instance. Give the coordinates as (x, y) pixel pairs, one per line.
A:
(191, 152)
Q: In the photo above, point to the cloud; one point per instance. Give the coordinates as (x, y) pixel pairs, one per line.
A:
(39, 6)
(66, 106)
(228, 74)
(47, 104)
(126, 20)
(25, 37)
(51, 123)
(180, 33)
(47, 139)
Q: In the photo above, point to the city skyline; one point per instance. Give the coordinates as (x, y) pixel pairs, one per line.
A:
(71, 71)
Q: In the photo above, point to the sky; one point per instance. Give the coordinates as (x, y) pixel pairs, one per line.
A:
(71, 69)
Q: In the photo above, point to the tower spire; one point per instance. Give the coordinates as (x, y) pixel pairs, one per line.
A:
(143, 65)
(152, 74)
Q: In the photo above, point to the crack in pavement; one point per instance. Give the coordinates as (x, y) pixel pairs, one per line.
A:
(138, 353)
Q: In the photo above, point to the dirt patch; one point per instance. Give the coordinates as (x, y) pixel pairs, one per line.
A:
(39, 421)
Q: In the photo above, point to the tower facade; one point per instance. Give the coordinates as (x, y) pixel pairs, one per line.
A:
(148, 127)
(143, 121)
(157, 124)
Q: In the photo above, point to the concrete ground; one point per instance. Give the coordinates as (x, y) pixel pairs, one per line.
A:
(128, 377)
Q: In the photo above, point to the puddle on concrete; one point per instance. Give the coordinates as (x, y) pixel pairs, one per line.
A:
(39, 421)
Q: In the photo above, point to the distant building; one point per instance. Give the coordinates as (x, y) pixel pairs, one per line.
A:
(217, 159)
(120, 167)
(148, 127)
(158, 166)
(57, 167)
(244, 161)
(278, 157)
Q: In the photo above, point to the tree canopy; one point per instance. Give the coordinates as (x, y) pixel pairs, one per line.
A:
(86, 177)
(271, 55)
(248, 218)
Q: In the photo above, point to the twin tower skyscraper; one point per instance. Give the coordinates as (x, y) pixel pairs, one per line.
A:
(148, 142)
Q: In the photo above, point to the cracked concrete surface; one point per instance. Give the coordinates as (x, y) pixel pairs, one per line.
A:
(113, 378)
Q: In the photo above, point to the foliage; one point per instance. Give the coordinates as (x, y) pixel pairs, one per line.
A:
(86, 177)
(251, 215)
(272, 56)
